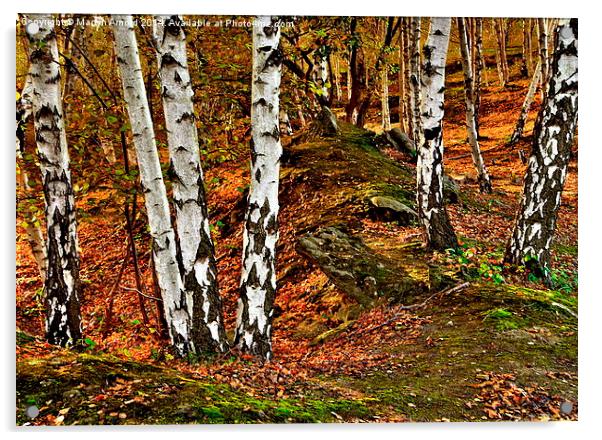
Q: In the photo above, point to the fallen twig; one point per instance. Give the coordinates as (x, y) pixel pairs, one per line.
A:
(411, 307)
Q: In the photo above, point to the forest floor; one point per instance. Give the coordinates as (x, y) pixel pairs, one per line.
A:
(479, 342)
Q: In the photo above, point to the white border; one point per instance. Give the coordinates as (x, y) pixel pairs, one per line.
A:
(590, 159)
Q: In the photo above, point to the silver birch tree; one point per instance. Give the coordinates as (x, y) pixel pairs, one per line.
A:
(477, 158)
(548, 164)
(415, 80)
(438, 231)
(198, 270)
(33, 229)
(177, 302)
(62, 300)
(524, 111)
(258, 278)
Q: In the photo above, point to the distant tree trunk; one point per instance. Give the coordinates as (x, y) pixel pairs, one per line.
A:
(477, 158)
(403, 114)
(524, 112)
(500, 53)
(285, 123)
(258, 280)
(415, 81)
(176, 301)
(63, 318)
(337, 79)
(355, 110)
(438, 231)
(543, 52)
(349, 78)
(320, 75)
(407, 73)
(527, 49)
(198, 267)
(479, 65)
(300, 114)
(35, 236)
(548, 164)
(386, 113)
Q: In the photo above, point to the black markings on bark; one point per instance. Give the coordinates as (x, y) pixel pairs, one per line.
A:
(534, 228)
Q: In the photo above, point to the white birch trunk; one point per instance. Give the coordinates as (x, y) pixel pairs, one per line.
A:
(415, 80)
(524, 112)
(407, 98)
(548, 164)
(439, 233)
(543, 51)
(198, 270)
(258, 279)
(477, 158)
(479, 66)
(176, 301)
(33, 230)
(63, 319)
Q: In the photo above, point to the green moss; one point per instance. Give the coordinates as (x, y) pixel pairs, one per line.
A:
(74, 381)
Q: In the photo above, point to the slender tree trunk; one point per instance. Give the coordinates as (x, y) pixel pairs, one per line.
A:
(415, 81)
(33, 230)
(503, 39)
(500, 53)
(349, 78)
(407, 73)
(355, 110)
(527, 66)
(478, 80)
(285, 123)
(258, 280)
(386, 113)
(477, 158)
(403, 116)
(524, 112)
(543, 51)
(320, 76)
(63, 318)
(299, 104)
(198, 267)
(438, 231)
(176, 300)
(337, 79)
(548, 164)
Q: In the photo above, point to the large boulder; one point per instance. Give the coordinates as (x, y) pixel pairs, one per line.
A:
(355, 268)
(325, 124)
(388, 209)
(400, 141)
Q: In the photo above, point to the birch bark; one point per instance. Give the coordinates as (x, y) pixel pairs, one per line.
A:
(415, 81)
(258, 279)
(477, 158)
(177, 302)
(63, 318)
(198, 269)
(547, 168)
(438, 231)
(524, 112)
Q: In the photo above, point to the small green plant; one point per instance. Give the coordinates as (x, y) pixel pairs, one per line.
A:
(89, 343)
